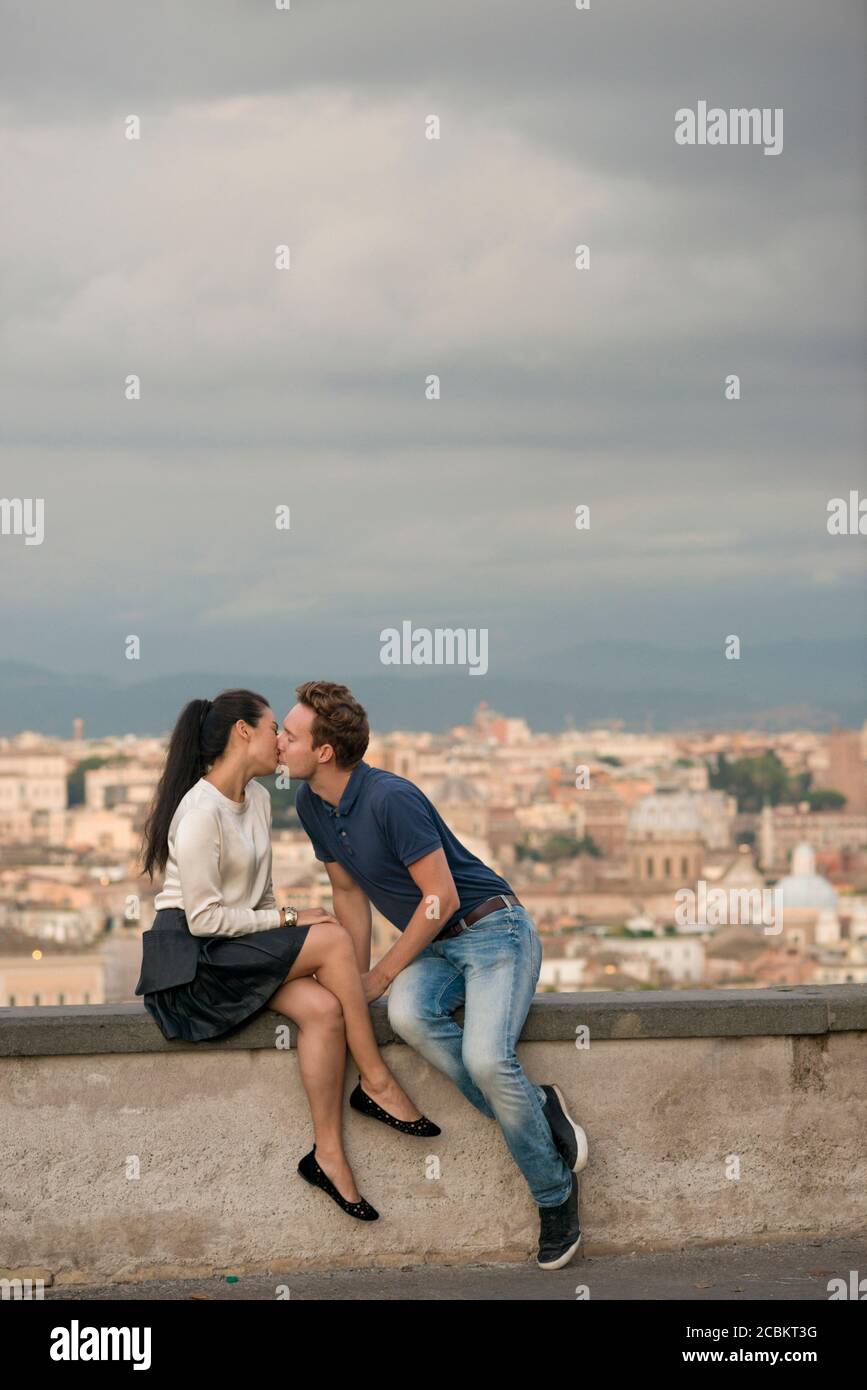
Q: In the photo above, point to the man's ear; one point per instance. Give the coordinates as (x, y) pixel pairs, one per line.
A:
(326, 753)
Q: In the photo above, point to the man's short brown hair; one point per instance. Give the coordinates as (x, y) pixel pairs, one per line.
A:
(340, 720)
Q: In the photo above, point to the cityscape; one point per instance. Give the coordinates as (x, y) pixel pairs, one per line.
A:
(609, 837)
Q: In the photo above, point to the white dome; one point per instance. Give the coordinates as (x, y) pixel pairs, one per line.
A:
(803, 887)
(807, 890)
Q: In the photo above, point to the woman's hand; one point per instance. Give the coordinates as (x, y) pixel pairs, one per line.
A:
(313, 916)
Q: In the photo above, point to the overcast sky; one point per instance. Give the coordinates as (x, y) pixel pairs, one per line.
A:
(410, 257)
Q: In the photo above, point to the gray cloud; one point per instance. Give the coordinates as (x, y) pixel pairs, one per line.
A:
(412, 257)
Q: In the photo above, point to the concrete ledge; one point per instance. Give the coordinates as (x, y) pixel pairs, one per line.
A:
(713, 1117)
(54, 1031)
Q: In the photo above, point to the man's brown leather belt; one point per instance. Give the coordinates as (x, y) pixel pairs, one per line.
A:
(494, 904)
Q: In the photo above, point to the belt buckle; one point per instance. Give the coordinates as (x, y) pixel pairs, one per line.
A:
(462, 924)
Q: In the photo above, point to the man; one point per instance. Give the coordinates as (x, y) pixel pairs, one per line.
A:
(465, 939)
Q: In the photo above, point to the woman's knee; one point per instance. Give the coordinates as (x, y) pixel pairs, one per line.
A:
(331, 939)
(308, 1003)
(329, 936)
(322, 1008)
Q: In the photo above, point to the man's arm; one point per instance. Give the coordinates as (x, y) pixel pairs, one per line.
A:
(352, 910)
(439, 901)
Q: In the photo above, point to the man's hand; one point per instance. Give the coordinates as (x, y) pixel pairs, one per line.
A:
(439, 901)
(374, 984)
(313, 916)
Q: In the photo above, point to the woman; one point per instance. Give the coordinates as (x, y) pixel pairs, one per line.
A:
(220, 950)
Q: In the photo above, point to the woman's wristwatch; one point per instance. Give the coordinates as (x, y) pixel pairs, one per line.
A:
(290, 916)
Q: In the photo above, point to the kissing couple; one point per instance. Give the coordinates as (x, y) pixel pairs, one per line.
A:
(221, 949)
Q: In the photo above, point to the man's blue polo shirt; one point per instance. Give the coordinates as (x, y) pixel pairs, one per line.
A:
(382, 824)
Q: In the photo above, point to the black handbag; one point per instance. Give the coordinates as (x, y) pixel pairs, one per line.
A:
(170, 952)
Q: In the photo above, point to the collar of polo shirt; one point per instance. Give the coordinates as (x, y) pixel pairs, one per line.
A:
(350, 791)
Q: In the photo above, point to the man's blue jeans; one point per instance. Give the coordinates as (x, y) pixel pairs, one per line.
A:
(491, 968)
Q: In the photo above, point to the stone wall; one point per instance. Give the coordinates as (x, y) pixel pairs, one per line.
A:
(713, 1116)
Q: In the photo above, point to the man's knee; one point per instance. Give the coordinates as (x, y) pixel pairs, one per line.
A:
(403, 1015)
(485, 1066)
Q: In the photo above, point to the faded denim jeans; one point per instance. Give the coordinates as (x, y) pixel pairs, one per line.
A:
(491, 968)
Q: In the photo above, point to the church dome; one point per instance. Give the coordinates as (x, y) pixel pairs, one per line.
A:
(454, 789)
(661, 814)
(803, 887)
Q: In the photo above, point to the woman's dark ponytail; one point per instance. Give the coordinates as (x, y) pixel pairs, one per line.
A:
(198, 739)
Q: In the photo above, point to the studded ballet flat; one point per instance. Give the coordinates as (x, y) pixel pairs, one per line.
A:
(312, 1173)
(365, 1105)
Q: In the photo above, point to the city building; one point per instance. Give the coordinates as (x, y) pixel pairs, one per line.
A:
(845, 770)
(781, 828)
(664, 842)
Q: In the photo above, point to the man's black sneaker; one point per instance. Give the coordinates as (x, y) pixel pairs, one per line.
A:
(570, 1138)
(560, 1233)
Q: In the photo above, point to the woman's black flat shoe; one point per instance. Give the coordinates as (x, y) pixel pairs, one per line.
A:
(362, 1102)
(312, 1173)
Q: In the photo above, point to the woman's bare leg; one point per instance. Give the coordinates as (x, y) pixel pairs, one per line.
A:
(321, 1046)
(328, 951)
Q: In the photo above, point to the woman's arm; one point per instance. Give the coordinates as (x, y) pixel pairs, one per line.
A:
(197, 853)
(267, 899)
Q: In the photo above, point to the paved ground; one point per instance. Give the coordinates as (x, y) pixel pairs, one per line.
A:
(776, 1273)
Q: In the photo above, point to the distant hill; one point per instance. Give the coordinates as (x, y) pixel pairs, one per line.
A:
(790, 684)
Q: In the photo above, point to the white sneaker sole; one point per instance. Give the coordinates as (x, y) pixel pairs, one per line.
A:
(580, 1137)
(564, 1258)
